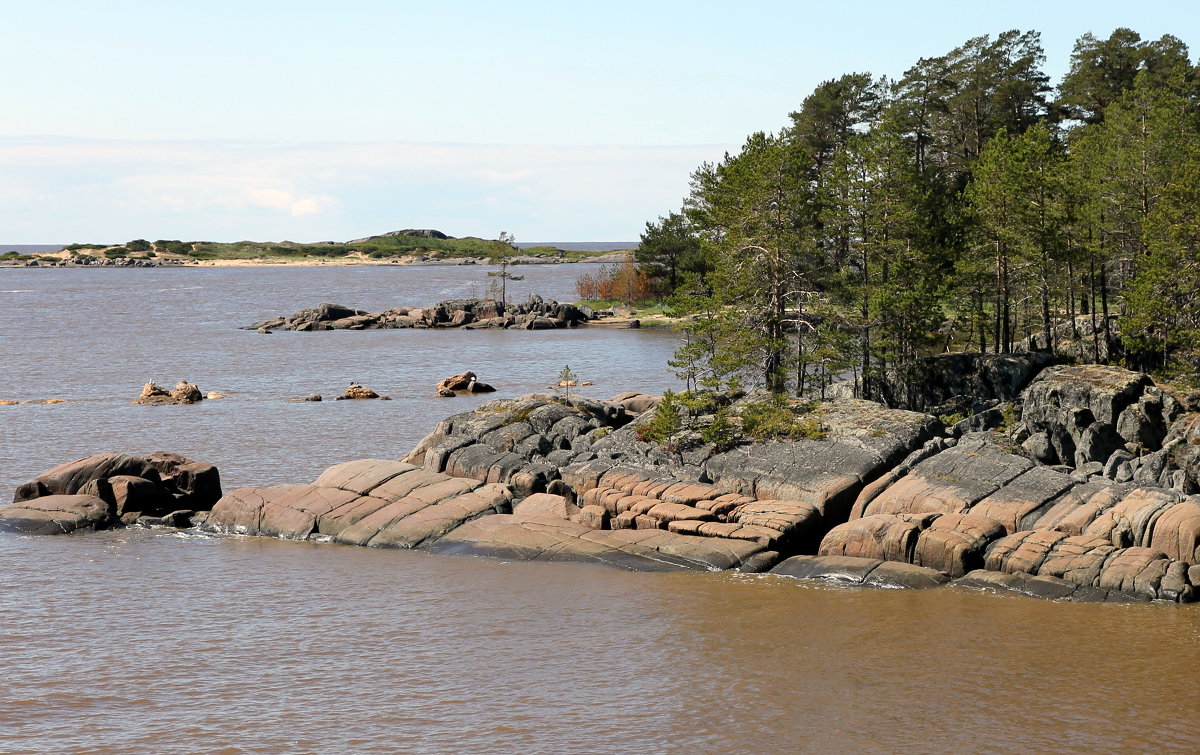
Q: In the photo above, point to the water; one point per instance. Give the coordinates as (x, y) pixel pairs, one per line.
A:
(93, 337)
(161, 642)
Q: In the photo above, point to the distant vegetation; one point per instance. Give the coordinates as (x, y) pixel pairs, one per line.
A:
(397, 244)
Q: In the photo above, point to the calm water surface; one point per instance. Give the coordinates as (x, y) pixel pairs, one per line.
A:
(157, 642)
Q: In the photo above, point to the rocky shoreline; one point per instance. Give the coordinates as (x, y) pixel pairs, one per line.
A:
(1082, 488)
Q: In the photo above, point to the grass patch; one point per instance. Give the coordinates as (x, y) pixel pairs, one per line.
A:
(644, 308)
(779, 419)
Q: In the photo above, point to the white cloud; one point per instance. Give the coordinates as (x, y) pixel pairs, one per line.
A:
(75, 189)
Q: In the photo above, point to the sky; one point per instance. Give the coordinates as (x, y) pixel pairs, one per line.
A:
(554, 121)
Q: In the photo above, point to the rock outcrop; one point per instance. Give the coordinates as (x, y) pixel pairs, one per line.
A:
(859, 494)
(111, 490)
(533, 314)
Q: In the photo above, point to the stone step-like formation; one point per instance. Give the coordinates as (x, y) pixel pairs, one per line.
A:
(372, 502)
(964, 508)
(380, 503)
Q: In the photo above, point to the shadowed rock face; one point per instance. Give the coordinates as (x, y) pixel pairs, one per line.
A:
(1085, 413)
(129, 487)
(966, 383)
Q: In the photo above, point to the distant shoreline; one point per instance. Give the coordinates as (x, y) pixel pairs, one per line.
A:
(64, 259)
(570, 246)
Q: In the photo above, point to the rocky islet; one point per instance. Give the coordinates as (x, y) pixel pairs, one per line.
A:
(535, 313)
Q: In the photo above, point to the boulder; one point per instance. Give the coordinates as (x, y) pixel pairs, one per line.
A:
(130, 486)
(1091, 561)
(357, 392)
(70, 478)
(864, 441)
(56, 515)
(545, 504)
(951, 481)
(184, 393)
(456, 382)
(635, 403)
(950, 543)
(1050, 588)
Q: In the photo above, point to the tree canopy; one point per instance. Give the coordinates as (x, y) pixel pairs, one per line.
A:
(965, 205)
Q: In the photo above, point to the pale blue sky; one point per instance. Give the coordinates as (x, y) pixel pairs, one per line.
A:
(332, 120)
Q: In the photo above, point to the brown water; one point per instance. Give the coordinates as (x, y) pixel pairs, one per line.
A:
(158, 642)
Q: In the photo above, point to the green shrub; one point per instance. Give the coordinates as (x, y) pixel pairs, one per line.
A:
(666, 421)
(722, 432)
(1008, 419)
(949, 420)
(167, 246)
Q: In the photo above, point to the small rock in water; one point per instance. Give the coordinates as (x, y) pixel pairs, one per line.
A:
(184, 393)
(356, 391)
(313, 397)
(464, 382)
